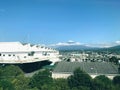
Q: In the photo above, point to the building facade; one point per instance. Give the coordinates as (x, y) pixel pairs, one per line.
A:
(16, 52)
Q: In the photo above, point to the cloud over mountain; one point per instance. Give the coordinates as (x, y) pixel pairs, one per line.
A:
(117, 42)
(69, 43)
(78, 45)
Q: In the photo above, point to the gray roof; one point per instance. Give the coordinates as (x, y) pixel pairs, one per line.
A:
(89, 67)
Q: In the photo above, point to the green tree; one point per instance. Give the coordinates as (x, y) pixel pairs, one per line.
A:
(79, 78)
(6, 85)
(41, 78)
(114, 59)
(10, 72)
(116, 80)
(102, 83)
(48, 87)
(21, 83)
(80, 88)
(61, 84)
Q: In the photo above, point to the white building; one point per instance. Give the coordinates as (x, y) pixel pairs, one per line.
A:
(16, 52)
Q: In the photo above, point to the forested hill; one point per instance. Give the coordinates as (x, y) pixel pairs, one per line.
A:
(115, 47)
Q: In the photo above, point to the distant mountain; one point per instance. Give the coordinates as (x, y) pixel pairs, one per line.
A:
(115, 47)
(73, 47)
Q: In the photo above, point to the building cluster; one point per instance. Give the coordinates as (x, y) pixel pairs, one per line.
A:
(89, 56)
(94, 63)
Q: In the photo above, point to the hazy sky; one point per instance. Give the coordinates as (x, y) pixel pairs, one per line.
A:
(53, 21)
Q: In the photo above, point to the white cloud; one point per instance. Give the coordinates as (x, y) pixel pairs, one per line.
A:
(106, 45)
(70, 42)
(117, 42)
(60, 43)
(99, 45)
(78, 43)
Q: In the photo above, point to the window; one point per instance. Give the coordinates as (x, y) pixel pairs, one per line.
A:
(31, 53)
(3, 54)
(9, 55)
(0, 54)
(44, 53)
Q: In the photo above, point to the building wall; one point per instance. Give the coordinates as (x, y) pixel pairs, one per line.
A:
(16, 52)
(60, 75)
(66, 75)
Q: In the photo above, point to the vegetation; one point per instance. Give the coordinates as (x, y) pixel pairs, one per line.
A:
(79, 79)
(102, 83)
(40, 79)
(114, 59)
(13, 78)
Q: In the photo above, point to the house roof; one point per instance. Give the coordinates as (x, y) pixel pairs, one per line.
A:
(20, 47)
(89, 67)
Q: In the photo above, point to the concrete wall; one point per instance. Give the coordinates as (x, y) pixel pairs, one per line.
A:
(66, 75)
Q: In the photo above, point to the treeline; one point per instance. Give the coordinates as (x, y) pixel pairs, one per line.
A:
(13, 78)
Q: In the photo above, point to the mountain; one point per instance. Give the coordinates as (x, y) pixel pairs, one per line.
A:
(115, 47)
(83, 47)
(74, 47)
(71, 45)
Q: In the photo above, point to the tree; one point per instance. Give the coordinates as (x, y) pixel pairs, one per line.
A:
(79, 78)
(21, 83)
(61, 84)
(116, 80)
(12, 70)
(41, 78)
(102, 83)
(6, 85)
(114, 59)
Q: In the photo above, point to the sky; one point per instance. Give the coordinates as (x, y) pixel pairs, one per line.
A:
(55, 21)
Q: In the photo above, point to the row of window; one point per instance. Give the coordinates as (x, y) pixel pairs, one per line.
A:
(8, 55)
(29, 54)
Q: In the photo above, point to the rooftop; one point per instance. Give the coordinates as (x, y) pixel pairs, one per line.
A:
(89, 67)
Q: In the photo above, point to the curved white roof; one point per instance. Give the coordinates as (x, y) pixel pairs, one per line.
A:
(18, 47)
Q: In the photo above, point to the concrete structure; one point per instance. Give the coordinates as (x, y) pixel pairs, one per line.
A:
(16, 53)
(66, 75)
(65, 69)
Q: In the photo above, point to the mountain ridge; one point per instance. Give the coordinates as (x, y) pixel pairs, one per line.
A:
(83, 47)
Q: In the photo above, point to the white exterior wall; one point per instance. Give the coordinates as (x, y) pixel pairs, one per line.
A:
(16, 52)
(60, 75)
(66, 75)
